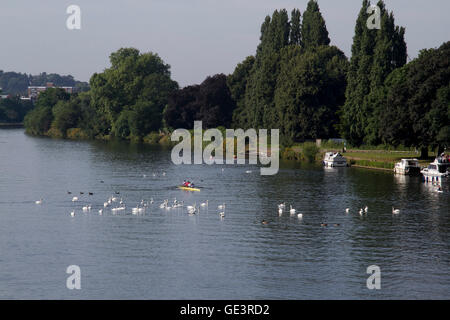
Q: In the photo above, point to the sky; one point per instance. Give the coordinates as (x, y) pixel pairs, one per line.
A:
(197, 38)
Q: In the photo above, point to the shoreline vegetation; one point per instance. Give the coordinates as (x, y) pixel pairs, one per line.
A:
(384, 107)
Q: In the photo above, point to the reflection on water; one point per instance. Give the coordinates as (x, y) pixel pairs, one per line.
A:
(167, 254)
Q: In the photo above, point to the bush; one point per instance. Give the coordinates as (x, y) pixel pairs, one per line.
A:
(310, 151)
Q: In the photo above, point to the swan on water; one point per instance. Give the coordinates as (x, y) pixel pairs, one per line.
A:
(222, 206)
(300, 216)
(38, 201)
(72, 214)
(204, 204)
(366, 209)
(347, 210)
(292, 210)
(74, 199)
(395, 211)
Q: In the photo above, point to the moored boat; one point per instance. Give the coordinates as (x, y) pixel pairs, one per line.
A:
(438, 168)
(407, 167)
(334, 159)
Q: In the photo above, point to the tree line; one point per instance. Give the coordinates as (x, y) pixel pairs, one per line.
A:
(15, 83)
(296, 81)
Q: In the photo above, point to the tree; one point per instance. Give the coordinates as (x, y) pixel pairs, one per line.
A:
(309, 91)
(375, 54)
(295, 35)
(314, 31)
(415, 104)
(133, 80)
(210, 102)
(237, 83)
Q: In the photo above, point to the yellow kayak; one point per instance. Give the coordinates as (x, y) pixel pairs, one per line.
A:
(188, 188)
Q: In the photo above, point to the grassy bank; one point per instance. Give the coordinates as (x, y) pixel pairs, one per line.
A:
(376, 157)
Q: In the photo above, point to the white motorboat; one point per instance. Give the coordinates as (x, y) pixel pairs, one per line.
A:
(407, 167)
(438, 168)
(334, 159)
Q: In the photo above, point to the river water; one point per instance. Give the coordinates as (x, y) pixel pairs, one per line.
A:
(168, 254)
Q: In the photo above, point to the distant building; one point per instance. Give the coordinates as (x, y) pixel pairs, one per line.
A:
(33, 91)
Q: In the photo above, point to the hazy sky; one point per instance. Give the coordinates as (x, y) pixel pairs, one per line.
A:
(196, 37)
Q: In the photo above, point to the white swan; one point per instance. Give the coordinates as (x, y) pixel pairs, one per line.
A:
(74, 199)
(72, 214)
(105, 204)
(292, 210)
(204, 204)
(281, 205)
(100, 212)
(366, 209)
(222, 214)
(300, 216)
(347, 210)
(395, 211)
(280, 211)
(39, 201)
(361, 212)
(222, 206)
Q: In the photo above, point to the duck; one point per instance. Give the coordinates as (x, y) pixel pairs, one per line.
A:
(395, 211)
(324, 224)
(91, 193)
(264, 222)
(222, 214)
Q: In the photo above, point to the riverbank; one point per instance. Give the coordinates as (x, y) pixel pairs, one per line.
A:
(363, 158)
(373, 158)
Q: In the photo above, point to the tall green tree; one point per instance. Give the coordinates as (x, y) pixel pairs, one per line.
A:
(314, 31)
(237, 83)
(375, 54)
(295, 36)
(133, 80)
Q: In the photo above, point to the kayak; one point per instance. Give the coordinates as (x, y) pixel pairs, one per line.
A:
(188, 188)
